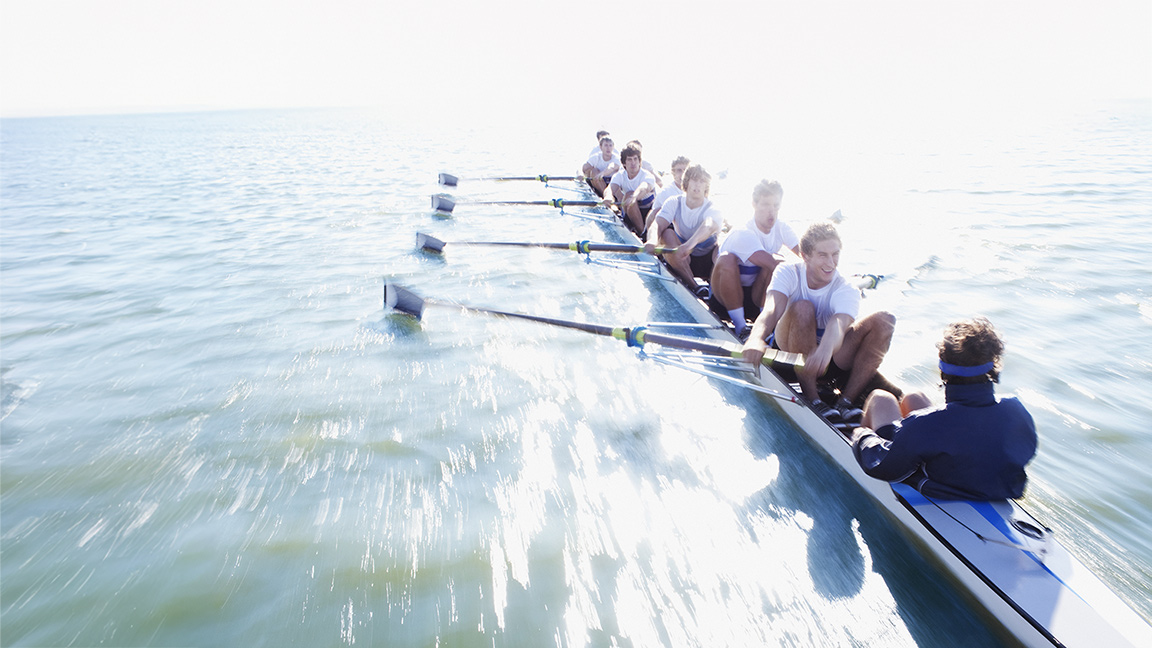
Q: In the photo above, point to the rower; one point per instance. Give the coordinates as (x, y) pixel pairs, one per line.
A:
(973, 448)
(632, 188)
(689, 223)
(645, 164)
(669, 191)
(747, 256)
(600, 134)
(811, 309)
(600, 167)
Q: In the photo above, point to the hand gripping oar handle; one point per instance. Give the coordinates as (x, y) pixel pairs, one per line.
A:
(405, 301)
(433, 244)
(445, 203)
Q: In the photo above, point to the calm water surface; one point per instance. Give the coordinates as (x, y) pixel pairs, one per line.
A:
(212, 433)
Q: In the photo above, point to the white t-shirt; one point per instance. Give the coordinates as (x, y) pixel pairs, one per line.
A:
(670, 190)
(599, 163)
(837, 297)
(749, 240)
(686, 221)
(626, 184)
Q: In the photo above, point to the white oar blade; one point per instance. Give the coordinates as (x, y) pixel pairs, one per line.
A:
(443, 203)
(402, 300)
(449, 180)
(429, 243)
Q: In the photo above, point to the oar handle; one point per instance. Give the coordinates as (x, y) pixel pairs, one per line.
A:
(723, 349)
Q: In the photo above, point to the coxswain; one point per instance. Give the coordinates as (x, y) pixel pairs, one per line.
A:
(975, 447)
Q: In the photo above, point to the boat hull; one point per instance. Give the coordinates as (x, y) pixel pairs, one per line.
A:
(1006, 562)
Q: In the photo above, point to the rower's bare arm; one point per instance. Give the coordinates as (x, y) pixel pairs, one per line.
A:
(765, 323)
(701, 234)
(614, 193)
(654, 235)
(834, 332)
(764, 259)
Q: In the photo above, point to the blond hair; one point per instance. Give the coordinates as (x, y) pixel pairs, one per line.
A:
(767, 187)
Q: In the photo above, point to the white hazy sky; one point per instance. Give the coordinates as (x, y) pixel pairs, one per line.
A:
(529, 60)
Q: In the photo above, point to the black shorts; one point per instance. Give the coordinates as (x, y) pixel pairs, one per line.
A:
(751, 310)
(833, 375)
(701, 266)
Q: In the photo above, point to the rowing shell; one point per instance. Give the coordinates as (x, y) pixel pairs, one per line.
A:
(1009, 563)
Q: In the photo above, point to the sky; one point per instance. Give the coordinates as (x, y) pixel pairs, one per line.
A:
(512, 60)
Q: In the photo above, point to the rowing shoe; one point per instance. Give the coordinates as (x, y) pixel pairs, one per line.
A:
(405, 301)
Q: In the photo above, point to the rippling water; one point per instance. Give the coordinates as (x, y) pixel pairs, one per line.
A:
(213, 434)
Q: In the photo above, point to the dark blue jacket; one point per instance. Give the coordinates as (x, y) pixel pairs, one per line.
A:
(975, 447)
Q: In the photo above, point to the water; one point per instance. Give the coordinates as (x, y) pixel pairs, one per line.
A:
(212, 434)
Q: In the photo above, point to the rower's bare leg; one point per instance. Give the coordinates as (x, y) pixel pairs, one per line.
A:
(635, 219)
(914, 402)
(760, 286)
(865, 344)
(728, 290)
(679, 262)
(598, 184)
(726, 281)
(796, 330)
(796, 333)
(880, 409)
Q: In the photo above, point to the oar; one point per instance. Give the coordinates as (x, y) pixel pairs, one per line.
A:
(433, 244)
(405, 301)
(446, 203)
(449, 180)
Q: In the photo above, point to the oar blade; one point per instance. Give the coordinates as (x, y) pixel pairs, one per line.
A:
(443, 203)
(402, 300)
(449, 180)
(429, 243)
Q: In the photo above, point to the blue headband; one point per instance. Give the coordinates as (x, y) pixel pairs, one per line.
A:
(966, 372)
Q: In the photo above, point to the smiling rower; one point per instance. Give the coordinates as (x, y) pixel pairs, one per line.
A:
(811, 309)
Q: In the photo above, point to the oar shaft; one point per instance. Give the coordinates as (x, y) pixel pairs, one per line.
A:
(554, 202)
(408, 302)
(583, 247)
(449, 180)
(446, 203)
(540, 178)
(597, 329)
